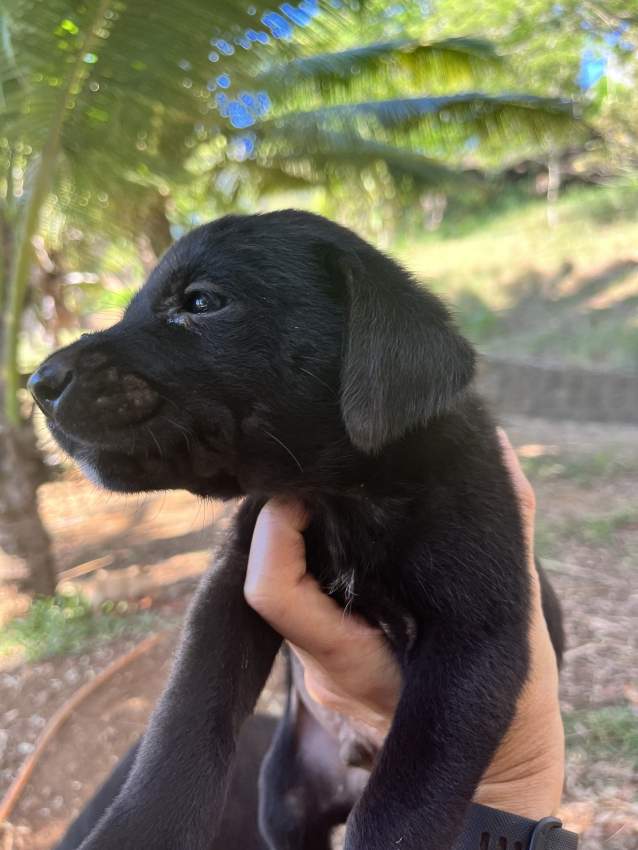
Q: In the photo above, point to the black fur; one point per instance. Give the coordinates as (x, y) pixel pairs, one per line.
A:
(328, 374)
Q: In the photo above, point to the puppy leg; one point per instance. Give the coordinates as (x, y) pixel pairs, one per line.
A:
(305, 787)
(174, 795)
(457, 702)
(238, 827)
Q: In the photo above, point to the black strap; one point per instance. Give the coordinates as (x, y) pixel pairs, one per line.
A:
(491, 829)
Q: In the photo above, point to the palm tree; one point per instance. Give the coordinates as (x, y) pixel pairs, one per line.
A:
(102, 103)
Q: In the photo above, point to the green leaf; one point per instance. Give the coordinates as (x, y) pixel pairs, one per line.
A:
(309, 156)
(411, 62)
(439, 121)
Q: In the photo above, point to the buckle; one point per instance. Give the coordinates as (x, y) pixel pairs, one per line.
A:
(541, 832)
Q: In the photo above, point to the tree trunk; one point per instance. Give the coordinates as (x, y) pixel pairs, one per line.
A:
(22, 532)
(157, 227)
(155, 237)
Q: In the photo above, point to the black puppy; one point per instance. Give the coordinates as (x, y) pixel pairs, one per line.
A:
(282, 355)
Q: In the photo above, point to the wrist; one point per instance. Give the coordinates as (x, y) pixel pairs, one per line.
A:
(528, 784)
(528, 798)
(490, 828)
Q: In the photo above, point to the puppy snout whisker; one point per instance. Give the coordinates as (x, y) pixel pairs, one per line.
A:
(156, 441)
(184, 431)
(319, 380)
(169, 400)
(285, 448)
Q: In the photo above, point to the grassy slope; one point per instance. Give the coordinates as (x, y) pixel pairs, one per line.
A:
(567, 293)
(586, 483)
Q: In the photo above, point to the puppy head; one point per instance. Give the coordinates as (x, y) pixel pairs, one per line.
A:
(264, 352)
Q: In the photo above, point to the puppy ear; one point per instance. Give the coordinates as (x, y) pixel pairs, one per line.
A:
(403, 360)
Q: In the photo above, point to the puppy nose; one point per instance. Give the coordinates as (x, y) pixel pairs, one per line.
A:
(48, 383)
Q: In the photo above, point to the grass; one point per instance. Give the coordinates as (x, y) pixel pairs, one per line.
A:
(603, 733)
(64, 624)
(603, 465)
(567, 293)
(600, 530)
(596, 531)
(585, 471)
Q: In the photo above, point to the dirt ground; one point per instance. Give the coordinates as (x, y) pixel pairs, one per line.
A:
(150, 552)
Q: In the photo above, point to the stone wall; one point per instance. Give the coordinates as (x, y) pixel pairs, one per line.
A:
(559, 392)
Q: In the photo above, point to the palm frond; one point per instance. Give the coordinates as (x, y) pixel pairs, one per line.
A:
(144, 98)
(409, 63)
(8, 68)
(311, 157)
(148, 96)
(440, 122)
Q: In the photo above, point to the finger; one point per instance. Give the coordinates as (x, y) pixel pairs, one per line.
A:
(280, 589)
(278, 536)
(527, 502)
(522, 487)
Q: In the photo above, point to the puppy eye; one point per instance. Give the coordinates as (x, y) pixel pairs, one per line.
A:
(198, 302)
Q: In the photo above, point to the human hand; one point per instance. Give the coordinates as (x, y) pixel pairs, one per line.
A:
(349, 667)
(526, 774)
